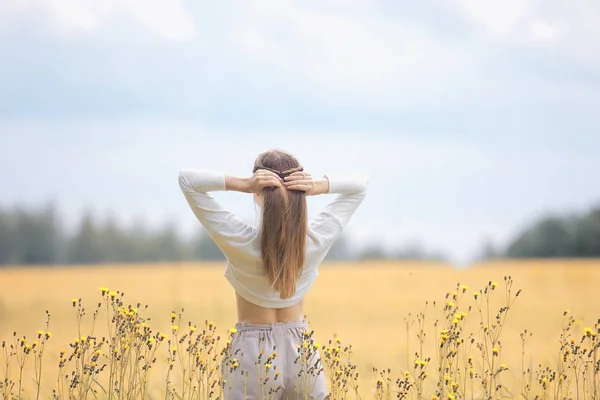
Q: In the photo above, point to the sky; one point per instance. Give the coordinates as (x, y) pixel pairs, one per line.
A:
(472, 118)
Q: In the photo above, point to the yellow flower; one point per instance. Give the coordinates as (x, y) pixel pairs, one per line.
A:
(192, 329)
(451, 396)
(267, 366)
(48, 335)
(98, 352)
(173, 316)
(174, 328)
(316, 345)
(40, 334)
(74, 301)
(494, 285)
(503, 367)
(162, 336)
(233, 330)
(450, 304)
(495, 351)
(587, 331)
(103, 290)
(112, 294)
(475, 294)
(464, 288)
(211, 324)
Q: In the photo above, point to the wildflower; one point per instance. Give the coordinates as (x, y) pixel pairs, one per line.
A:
(451, 396)
(316, 345)
(174, 328)
(277, 374)
(112, 294)
(267, 366)
(495, 351)
(98, 352)
(74, 301)
(464, 288)
(450, 304)
(494, 285)
(475, 294)
(434, 397)
(192, 329)
(503, 367)
(162, 336)
(40, 334)
(233, 330)
(103, 290)
(173, 316)
(174, 350)
(48, 335)
(211, 324)
(587, 332)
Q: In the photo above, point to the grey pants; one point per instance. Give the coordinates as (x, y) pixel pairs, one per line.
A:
(273, 361)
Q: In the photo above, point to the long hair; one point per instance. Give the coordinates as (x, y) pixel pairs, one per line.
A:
(283, 226)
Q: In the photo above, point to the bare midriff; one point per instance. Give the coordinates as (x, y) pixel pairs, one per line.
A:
(251, 313)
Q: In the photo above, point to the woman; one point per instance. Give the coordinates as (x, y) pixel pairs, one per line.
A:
(272, 267)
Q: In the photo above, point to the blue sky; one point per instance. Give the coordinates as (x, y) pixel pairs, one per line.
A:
(471, 117)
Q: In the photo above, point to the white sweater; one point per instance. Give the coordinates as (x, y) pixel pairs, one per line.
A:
(240, 242)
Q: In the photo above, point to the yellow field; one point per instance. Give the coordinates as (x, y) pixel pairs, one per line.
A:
(365, 303)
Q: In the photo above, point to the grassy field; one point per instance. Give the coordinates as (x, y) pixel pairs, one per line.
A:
(364, 303)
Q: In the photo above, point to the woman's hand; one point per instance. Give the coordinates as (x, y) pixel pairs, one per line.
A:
(304, 182)
(263, 179)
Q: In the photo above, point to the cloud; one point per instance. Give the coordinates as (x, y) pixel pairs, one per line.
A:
(352, 54)
(167, 18)
(571, 27)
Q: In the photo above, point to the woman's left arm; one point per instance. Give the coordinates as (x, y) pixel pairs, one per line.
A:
(224, 227)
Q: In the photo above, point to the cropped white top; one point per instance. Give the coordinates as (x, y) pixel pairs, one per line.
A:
(240, 242)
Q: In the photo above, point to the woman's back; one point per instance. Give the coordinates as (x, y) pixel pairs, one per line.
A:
(240, 242)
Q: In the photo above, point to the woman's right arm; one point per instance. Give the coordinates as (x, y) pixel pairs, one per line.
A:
(351, 191)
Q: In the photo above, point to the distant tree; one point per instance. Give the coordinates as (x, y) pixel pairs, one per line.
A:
(373, 251)
(340, 250)
(555, 236)
(168, 245)
(35, 236)
(204, 248)
(587, 235)
(7, 239)
(85, 247)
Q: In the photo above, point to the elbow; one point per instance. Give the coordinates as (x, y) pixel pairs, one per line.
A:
(363, 181)
(183, 181)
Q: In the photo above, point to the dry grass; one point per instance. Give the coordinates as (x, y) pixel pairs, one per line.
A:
(365, 303)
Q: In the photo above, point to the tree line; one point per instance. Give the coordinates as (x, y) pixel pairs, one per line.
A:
(37, 237)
